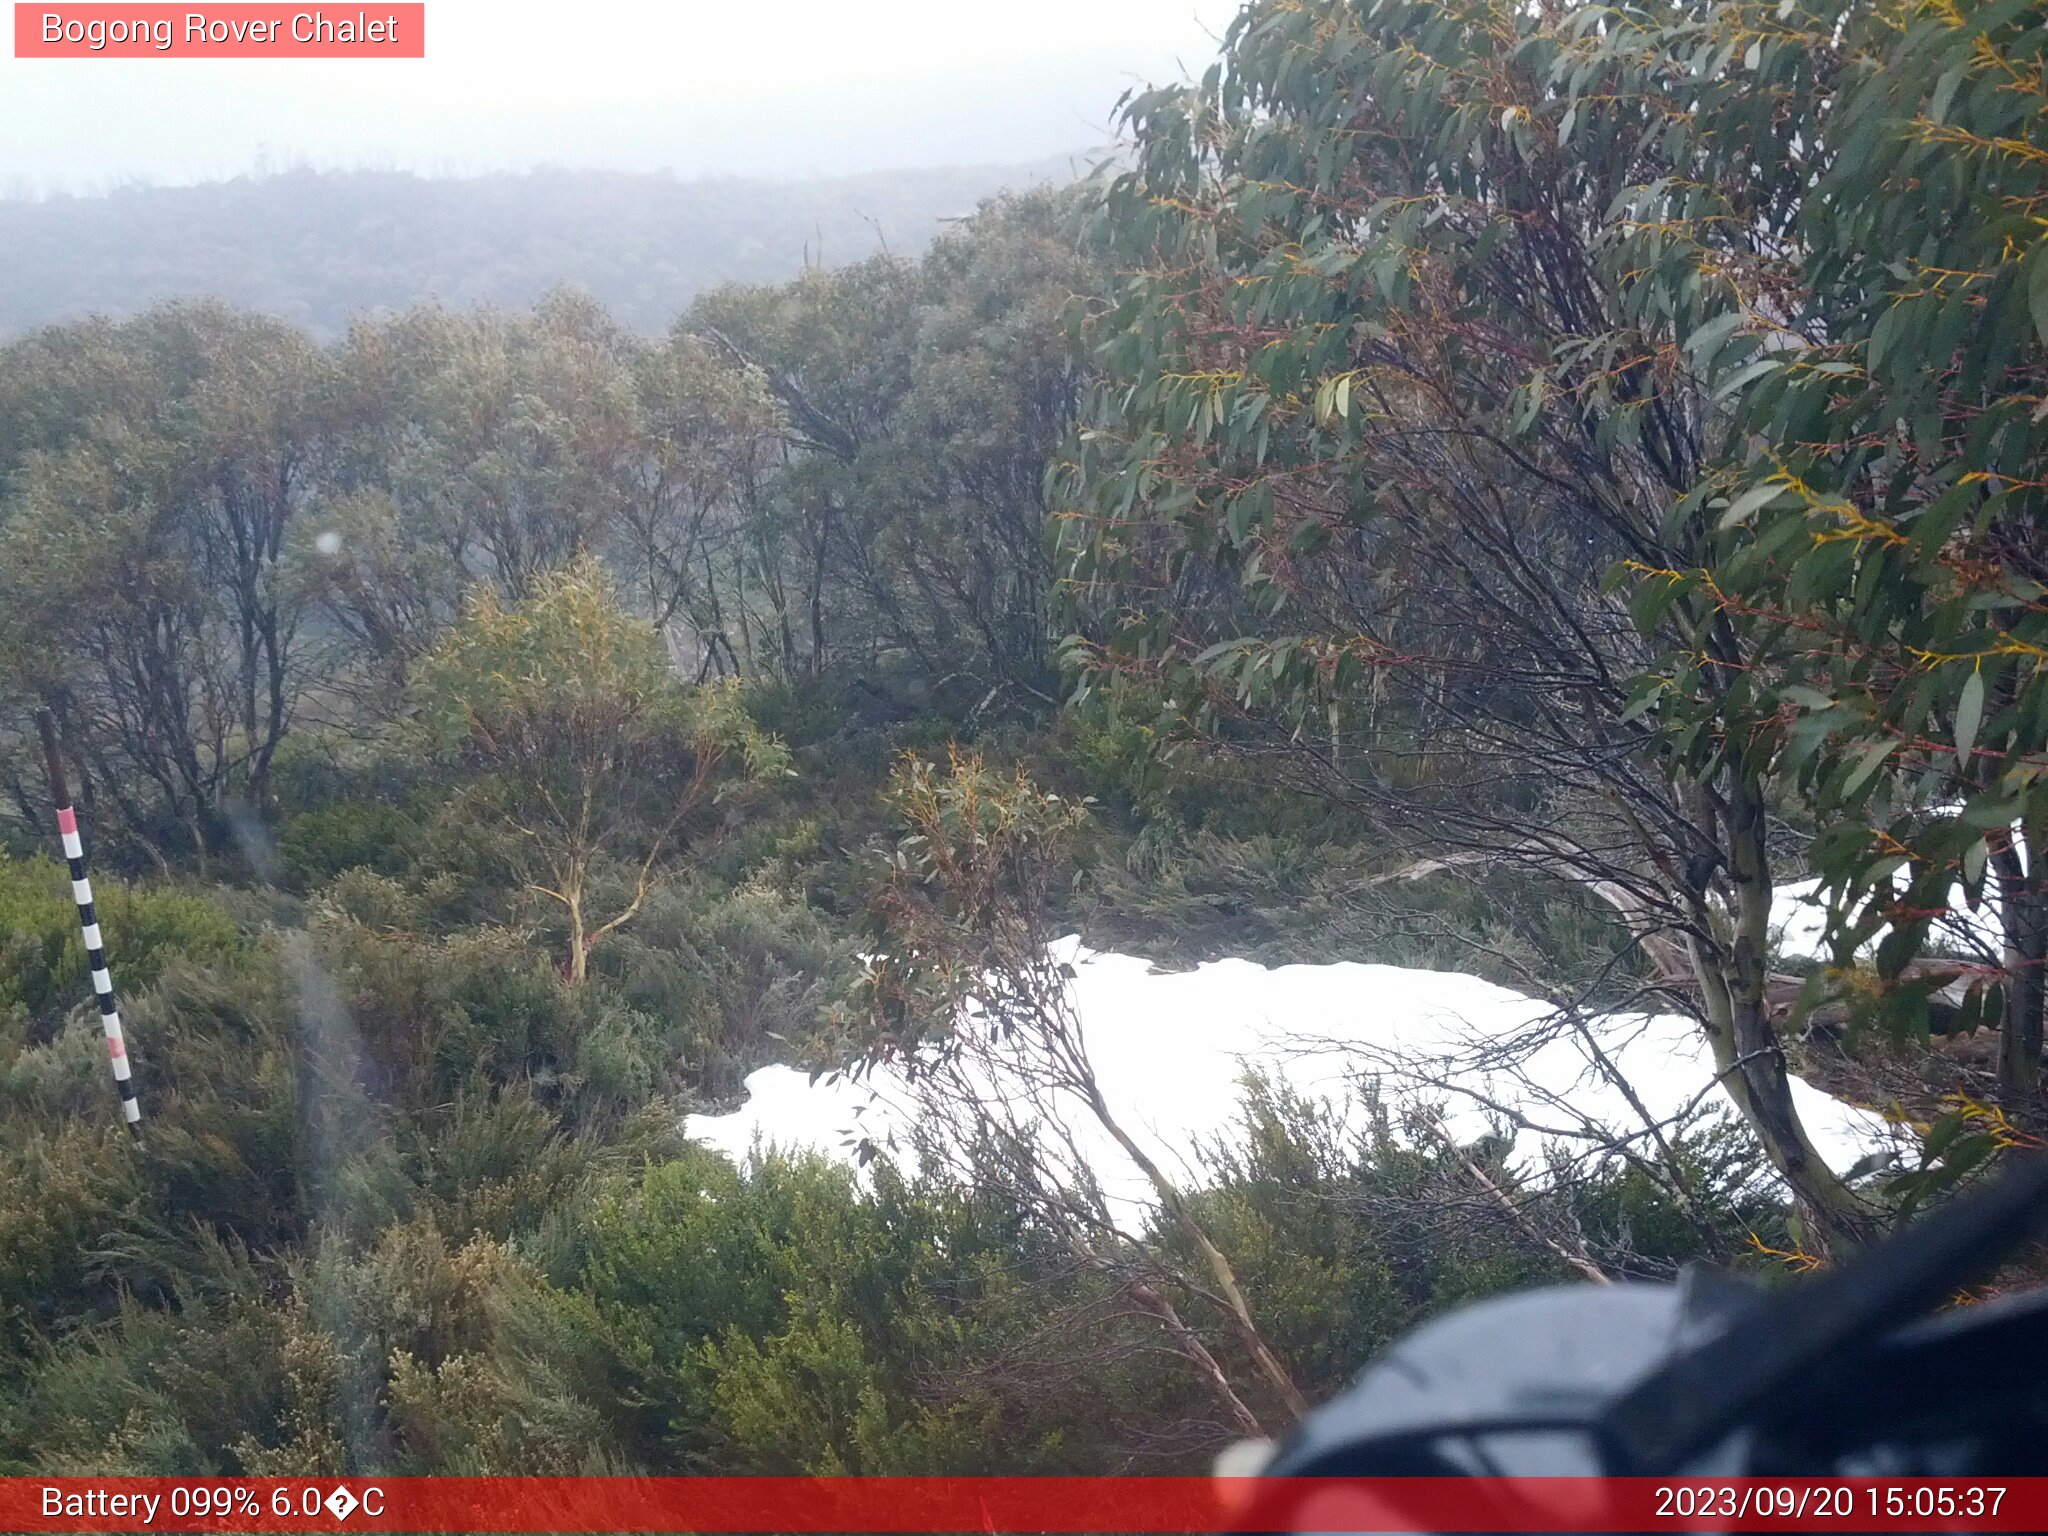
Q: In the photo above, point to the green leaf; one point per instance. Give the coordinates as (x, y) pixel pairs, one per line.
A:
(1749, 373)
(1882, 335)
(1866, 765)
(1653, 600)
(1644, 702)
(1939, 1136)
(1745, 505)
(1974, 860)
(1945, 92)
(1969, 715)
(1703, 343)
(2037, 291)
(1222, 649)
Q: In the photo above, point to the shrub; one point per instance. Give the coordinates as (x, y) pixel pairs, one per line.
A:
(321, 843)
(42, 956)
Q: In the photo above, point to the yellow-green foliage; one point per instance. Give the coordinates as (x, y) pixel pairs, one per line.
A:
(42, 956)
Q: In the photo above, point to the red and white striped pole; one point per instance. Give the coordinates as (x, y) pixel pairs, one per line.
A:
(88, 922)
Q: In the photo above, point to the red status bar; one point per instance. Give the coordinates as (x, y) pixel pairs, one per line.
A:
(1019, 1504)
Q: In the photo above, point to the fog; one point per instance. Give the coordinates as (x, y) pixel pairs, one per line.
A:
(801, 87)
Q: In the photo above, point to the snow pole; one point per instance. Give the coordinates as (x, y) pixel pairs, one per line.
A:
(89, 926)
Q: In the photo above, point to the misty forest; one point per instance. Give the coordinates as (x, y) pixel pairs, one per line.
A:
(1474, 503)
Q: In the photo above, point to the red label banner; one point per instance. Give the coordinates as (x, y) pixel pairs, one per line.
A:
(1148, 1505)
(376, 31)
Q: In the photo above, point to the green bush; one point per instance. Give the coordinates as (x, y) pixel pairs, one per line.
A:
(793, 1318)
(154, 1393)
(498, 1164)
(62, 1191)
(432, 1014)
(740, 977)
(43, 969)
(320, 843)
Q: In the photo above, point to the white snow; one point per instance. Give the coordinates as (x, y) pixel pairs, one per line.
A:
(1799, 921)
(1170, 1052)
(1799, 924)
(1799, 917)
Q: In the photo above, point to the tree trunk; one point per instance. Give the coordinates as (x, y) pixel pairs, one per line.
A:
(1732, 979)
(816, 603)
(579, 944)
(2023, 916)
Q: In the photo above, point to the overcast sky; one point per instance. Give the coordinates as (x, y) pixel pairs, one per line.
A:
(755, 87)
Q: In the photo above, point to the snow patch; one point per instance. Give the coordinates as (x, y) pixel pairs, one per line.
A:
(1171, 1051)
(1799, 924)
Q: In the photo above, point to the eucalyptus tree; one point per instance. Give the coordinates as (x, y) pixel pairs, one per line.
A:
(585, 748)
(1417, 362)
(712, 434)
(1881, 512)
(834, 350)
(969, 993)
(151, 591)
(906, 521)
(472, 446)
(997, 386)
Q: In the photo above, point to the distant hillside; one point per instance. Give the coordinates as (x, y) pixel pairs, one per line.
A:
(317, 247)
